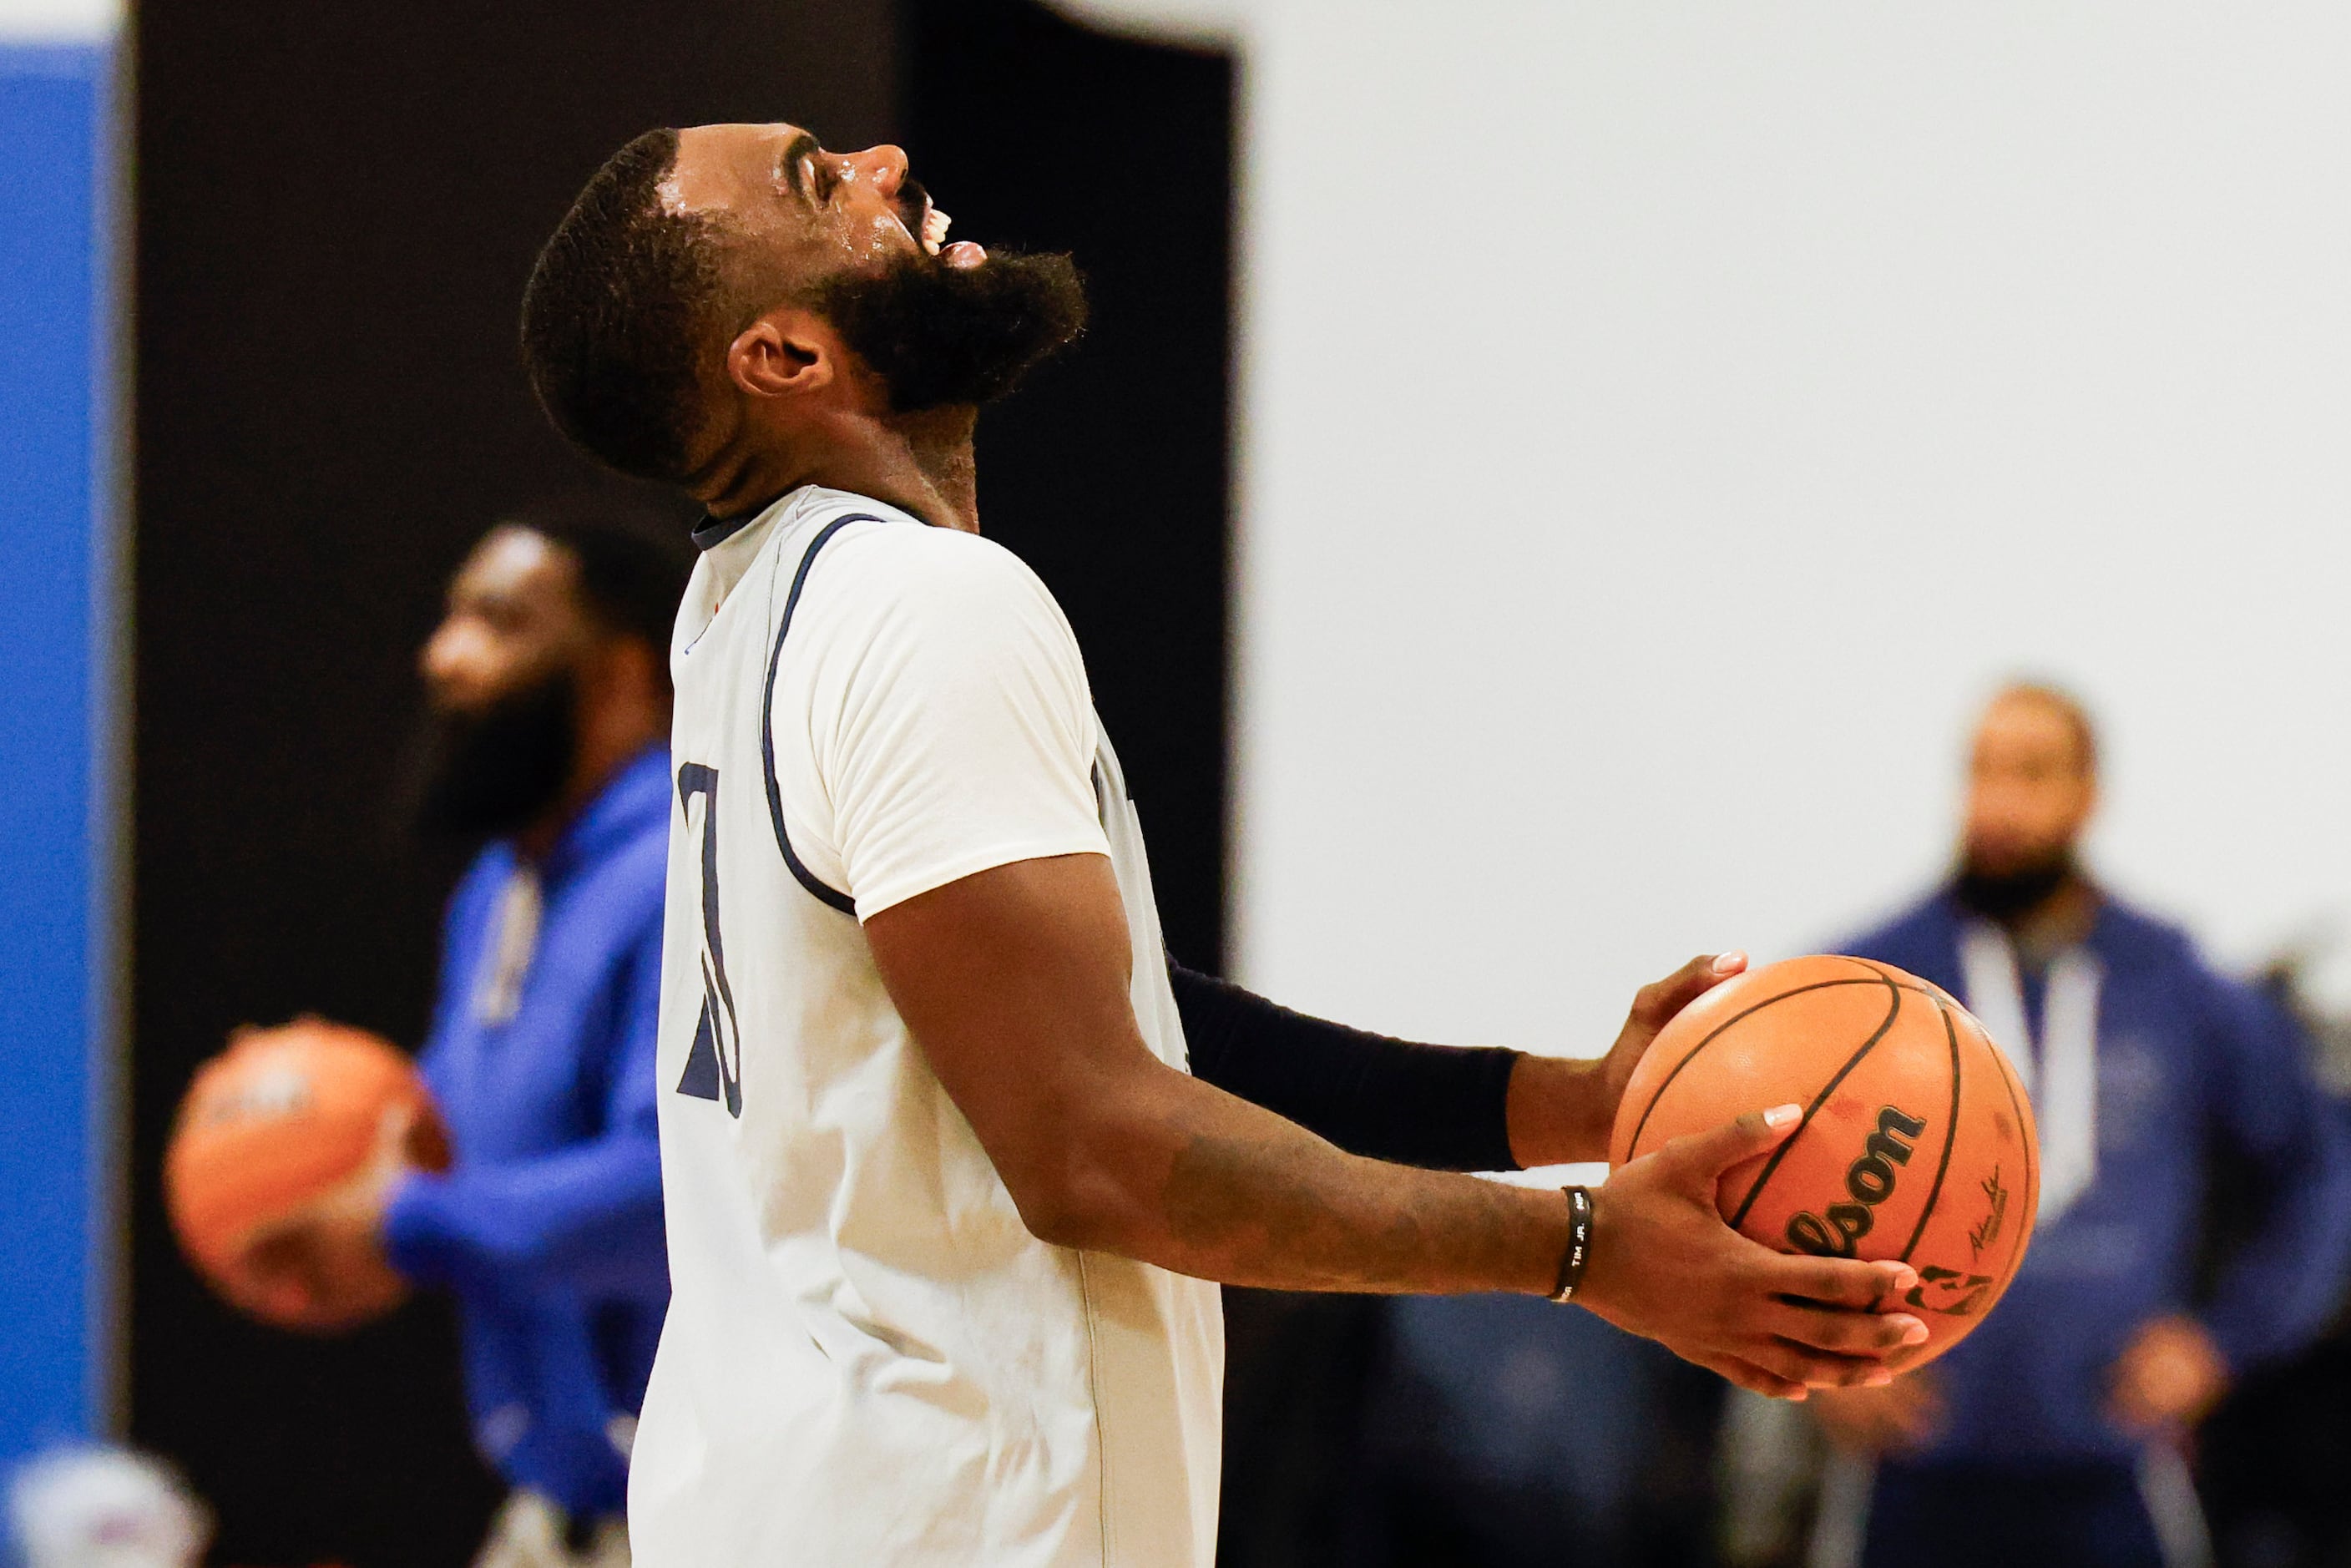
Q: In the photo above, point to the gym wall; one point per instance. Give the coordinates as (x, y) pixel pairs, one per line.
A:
(1663, 423)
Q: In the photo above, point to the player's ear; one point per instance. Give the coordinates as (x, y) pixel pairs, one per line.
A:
(785, 352)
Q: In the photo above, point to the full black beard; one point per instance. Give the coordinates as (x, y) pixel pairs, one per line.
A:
(941, 336)
(2007, 895)
(492, 772)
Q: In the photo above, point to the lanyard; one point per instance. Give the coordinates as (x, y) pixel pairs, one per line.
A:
(2062, 1074)
(497, 984)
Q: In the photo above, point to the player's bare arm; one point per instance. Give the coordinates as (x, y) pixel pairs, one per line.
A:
(1016, 982)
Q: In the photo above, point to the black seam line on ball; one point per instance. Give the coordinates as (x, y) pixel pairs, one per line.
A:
(1874, 977)
(1950, 1133)
(1772, 1164)
(2031, 1155)
(832, 896)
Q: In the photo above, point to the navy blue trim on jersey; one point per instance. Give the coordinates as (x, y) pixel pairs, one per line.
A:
(832, 897)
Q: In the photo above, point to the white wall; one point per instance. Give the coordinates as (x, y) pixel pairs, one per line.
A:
(1664, 422)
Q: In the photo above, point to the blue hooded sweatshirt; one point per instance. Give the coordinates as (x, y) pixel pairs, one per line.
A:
(549, 1225)
(2182, 1059)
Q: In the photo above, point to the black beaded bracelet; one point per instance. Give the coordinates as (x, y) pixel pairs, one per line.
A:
(1579, 1243)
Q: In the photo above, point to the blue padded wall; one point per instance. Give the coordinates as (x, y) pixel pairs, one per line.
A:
(55, 636)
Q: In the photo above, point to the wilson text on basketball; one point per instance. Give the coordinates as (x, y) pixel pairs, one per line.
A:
(1868, 1182)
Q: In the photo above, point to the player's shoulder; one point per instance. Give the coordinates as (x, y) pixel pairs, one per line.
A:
(887, 565)
(2162, 958)
(1910, 936)
(2127, 932)
(890, 548)
(482, 882)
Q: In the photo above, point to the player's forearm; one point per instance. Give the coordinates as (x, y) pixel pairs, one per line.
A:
(1436, 1106)
(1440, 1107)
(1200, 1183)
(1559, 1111)
(587, 1219)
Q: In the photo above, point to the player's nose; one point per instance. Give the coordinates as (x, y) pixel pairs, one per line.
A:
(451, 659)
(885, 165)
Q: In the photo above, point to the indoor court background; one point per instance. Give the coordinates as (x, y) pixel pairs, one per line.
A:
(1546, 488)
(1663, 424)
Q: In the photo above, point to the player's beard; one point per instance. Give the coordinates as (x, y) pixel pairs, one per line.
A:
(488, 772)
(941, 336)
(2011, 891)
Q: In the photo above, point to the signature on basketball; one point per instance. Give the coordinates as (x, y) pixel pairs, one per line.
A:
(1985, 1234)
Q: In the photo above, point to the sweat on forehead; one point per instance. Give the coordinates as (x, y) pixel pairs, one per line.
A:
(729, 168)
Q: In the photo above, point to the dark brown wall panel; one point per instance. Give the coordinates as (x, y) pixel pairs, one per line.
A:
(1108, 474)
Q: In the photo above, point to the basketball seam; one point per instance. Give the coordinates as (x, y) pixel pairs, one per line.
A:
(1772, 1164)
(1875, 978)
(2032, 1167)
(1950, 1133)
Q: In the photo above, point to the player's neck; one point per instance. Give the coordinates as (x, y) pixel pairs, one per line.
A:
(922, 464)
(941, 444)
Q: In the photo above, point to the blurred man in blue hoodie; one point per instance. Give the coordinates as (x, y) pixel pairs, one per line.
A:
(549, 701)
(2055, 1434)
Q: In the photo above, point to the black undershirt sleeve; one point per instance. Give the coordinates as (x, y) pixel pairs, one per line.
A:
(1441, 1107)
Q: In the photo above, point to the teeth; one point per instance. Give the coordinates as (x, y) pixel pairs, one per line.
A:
(935, 228)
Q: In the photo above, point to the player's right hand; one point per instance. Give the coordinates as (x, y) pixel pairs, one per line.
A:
(321, 1267)
(1665, 1266)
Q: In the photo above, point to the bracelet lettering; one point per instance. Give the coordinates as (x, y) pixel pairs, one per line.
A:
(1579, 1244)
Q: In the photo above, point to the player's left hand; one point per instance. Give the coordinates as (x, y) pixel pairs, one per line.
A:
(2167, 1378)
(322, 1267)
(1560, 1111)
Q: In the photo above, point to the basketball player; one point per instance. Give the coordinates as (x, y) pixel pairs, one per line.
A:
(945, 1206)
(550, 705)
(2054, 1433)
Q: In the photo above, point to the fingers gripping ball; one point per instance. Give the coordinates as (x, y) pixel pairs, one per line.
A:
(278, 1124)
(1916, 1142)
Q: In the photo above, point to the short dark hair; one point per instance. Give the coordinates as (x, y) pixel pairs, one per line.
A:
(634, 561)
(614, 315)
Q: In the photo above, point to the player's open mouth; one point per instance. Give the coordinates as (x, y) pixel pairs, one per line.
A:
(929, 226)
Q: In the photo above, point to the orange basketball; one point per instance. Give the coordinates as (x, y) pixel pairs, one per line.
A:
(1917, 1143)
(282, 1117)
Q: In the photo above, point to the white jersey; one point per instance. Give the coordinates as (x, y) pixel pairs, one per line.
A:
(869, 1361)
